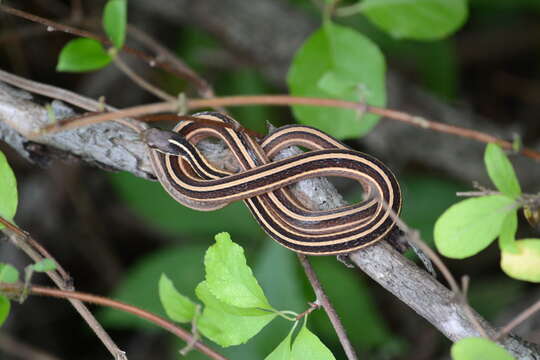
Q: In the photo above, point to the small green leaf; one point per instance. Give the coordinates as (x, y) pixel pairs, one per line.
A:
(308, 346)
(81, 55)
(468, 227)
(229, 277)
(507, 239)
(416, 19)
(177, 306)
(8, 190)
(228, 325)
(525, 264)
(8, 274)
(44, 265)
(500, 171)
(338, 62)
(283, 350)
(114, 21)
(476, 348)
(5, 306)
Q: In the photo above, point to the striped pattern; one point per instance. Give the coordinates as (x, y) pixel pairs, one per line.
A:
(262, 184)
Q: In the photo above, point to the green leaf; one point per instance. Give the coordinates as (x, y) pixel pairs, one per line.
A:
(500, 171)
(229, 277)
(8, 274)
(476, 348)
(228, 325)
(525, 264)
(44, 265)
(308, 346)
(183, 265)
(416, 19)
(8, 191)
(338, 62)
(5, 306)
(177, 306)
(507, 239)
(283, 350)
(468, 227)
(151, 203)
(81, 55)
(114, 21)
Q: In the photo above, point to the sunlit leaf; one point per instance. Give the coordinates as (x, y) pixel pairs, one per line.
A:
(8, 190)
(469, 226)
(228, 325)
(81, 55)
(475, 348)
(307, 345)
(5, 306)
(525, 264)
(114, 21)
(177, 306)
(500, 171)
(229, 277)
(338, 62)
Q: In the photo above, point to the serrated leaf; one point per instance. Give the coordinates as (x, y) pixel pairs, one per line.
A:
(44, 265)
(500, 171)
(308, 346)
(5, 306)
(177, 306)
(283, 350)
(525, 264)
(8, 274)
(114, 21)
(81, 55)
(338, 62)
(416, 19)
(507, 238)
(228, 325)
(468, 227)
(229, 277)
(8, 191)
(476, 348)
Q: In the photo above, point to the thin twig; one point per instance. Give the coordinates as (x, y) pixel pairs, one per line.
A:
(55, 26)
(140, 81)
(16, 290)
(527, 313)
(24, 241)
(323, 300)
(286, 100)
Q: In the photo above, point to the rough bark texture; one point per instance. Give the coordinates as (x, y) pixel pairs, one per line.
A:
(117, 147)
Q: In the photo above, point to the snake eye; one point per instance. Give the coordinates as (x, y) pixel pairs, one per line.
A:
(166, 142)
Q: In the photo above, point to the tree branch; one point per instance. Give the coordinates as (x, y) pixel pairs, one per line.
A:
(119, 148)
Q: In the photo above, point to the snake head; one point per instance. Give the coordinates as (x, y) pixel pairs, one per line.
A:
(167, 142)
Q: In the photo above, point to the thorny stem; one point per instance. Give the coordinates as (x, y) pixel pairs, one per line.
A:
(16, 290)
(323, 300)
